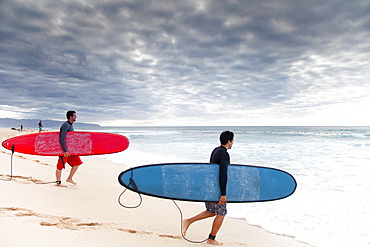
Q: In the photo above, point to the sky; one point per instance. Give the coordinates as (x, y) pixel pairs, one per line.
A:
(161, 63)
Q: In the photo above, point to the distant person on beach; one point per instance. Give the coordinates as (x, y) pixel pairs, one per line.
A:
(219, 156)
(73, 160)
(40, 126)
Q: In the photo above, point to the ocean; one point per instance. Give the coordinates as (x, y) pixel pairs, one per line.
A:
(330, 165)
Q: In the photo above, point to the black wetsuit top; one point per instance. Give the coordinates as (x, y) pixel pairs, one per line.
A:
(67, 126)
(221, 156)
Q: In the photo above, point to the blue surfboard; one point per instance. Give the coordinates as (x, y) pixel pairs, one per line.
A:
(199, 182)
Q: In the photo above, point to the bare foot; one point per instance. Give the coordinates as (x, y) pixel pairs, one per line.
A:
(71, 181)
(185, 226)
(214, 242)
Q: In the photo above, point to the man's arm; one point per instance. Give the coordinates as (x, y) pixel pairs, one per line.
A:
(225, 160)
(62, 136)
(223, 177)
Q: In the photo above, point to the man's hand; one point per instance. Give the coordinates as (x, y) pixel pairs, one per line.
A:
(66, 154)
(223, 200)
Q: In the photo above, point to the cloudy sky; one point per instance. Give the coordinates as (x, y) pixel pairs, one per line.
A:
(200, 62)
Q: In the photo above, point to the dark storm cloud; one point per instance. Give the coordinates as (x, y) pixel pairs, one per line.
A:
(151, 60)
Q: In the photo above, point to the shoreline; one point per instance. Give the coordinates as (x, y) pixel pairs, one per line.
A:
(89, 213)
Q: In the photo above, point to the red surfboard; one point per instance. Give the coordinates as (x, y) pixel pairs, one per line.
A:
(78, 143)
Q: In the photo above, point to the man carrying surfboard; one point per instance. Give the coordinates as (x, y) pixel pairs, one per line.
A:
(219, 156)
(74, 161)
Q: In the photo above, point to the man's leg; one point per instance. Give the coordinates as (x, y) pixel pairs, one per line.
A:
(71, 173)
(187, 222)
(217, 222)
(58, 175)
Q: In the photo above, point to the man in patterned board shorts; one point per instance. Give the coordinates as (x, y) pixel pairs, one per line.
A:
(74, 161)
(219, 156)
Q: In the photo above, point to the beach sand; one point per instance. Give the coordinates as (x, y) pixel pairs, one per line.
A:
(88, 214)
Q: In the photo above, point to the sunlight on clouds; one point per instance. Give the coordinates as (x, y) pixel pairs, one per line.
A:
(10, 112)
(138, 56)
(201, 5)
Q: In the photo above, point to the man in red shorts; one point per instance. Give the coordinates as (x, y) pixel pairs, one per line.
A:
(74, 161)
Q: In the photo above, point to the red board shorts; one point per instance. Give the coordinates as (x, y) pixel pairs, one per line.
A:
(73, 160)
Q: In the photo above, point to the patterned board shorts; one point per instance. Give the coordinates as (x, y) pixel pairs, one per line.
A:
(216, 208)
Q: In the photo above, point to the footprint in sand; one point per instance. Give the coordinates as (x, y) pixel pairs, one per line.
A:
(19, 178)
(170, 236)
(89, 224)
(17, 211)
(150, 233)
(41, 163)
(25, 158)
(44, 223)
(70, 223)
(134, 231)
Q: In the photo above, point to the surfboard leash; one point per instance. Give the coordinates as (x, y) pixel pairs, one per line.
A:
(11, 166)
(11, 171)
(181, 219)
(135, 188)
(119, 200)
(133, 185)
(52, 182)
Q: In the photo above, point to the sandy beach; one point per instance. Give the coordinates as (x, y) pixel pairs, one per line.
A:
(88, 214)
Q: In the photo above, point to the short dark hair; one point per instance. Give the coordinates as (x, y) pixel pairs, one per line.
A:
(226, 136)
(70, 114)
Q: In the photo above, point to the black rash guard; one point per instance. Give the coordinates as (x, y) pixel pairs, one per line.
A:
(221, 156)
(67, 126)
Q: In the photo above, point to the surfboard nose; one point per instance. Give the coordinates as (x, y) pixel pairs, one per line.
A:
(7, 144)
